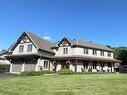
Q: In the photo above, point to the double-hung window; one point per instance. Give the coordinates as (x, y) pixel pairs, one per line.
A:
(65, 50)
(21, 48)
(29, 48)
(102, 53)
(94, 52)
(86, 51)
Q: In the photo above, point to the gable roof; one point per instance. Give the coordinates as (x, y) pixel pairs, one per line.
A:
(64, 39)
(91, 45)
(87, 44)
(39, 42)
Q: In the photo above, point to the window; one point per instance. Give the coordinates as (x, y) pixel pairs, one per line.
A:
(86, 51)
(21, 47)
(65, 51)
(45, 64)
(102, 53)
(94, 52)
(29, 48)
(109, 54)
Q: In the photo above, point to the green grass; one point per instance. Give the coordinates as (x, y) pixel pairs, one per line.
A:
(100, 84)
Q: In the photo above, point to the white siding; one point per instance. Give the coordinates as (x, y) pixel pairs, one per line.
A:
(80, 51)
(16, 50)
(60, 51)
(40, 64)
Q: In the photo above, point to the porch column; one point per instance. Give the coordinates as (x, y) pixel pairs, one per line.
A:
(23, 67)
(90, 66)
(11, 67)
(36, 66)
(112, 67)
(76, 65)
(49, 64)
(102, 65)
(58, 67)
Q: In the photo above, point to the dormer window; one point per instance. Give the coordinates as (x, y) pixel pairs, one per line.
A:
(86, 51)
(29, 48)
(94, 52)
(21, 48)
(65, 50)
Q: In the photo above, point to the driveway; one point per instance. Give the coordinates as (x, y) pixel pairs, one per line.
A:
(6, 74)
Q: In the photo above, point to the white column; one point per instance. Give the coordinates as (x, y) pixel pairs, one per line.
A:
(36, 67)
(51, 65)
(11, 67)
(23, 67)
(112, 64)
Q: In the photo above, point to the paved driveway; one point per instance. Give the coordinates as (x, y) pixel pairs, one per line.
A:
(6, 74)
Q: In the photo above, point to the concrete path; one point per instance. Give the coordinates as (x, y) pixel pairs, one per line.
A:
(6, 74)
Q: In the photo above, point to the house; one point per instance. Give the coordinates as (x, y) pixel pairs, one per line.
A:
(31, 52)
(3, 59)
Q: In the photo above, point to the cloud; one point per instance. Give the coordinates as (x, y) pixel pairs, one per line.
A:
(46, 38)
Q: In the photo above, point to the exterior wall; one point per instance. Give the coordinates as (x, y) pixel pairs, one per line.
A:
(16, 50)
(40, 64)
(59, 52)
(72, 67)
(80, 51)
(58, 68)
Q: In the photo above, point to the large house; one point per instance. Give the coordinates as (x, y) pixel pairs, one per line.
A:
(31, 52)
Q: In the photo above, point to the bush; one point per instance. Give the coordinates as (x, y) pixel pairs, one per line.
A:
(65, 72)
(4, 68)
(34, 73)
(46, 72)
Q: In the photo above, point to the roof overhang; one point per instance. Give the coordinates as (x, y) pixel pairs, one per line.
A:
(85, 58)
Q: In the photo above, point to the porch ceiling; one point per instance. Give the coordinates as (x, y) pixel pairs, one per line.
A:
(78, 57)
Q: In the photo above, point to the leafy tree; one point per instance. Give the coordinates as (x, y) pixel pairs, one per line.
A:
(120, 53)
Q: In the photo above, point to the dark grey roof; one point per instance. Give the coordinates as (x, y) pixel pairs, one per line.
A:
(91, 45)
(40, 42)
(3, 52)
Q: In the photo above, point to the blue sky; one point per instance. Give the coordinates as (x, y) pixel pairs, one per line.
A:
(100, 21)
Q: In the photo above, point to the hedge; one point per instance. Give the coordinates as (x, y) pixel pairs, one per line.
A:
(34, 73)
(4, 68)
(65, 72)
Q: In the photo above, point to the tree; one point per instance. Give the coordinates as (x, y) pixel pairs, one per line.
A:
(120, 53)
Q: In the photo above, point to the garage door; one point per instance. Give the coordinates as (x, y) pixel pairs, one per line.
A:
(29, 67)
(16, 67)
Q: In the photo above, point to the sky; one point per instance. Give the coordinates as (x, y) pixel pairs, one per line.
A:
(99, 21)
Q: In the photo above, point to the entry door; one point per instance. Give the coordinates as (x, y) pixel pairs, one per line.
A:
(64, 65)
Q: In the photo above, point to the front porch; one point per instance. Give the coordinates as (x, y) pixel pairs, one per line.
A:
(84, 65)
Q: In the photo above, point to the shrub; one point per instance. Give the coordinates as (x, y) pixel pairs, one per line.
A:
(46, 72)
(34, 73)
(4, 68)
(65, 72)
(30, 73)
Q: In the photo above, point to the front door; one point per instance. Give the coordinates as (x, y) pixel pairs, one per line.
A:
(64, 65)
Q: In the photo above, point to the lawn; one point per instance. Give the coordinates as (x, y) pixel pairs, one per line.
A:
(100, 84)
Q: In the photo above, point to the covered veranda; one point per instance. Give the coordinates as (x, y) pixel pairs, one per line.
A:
(84, 63)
